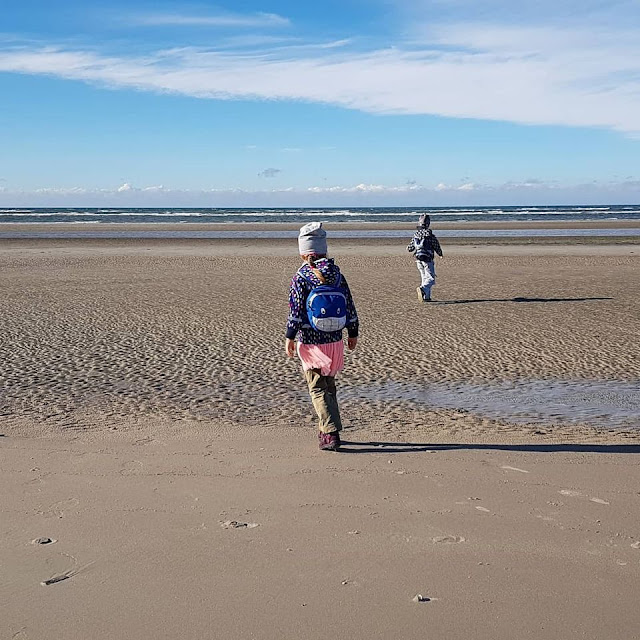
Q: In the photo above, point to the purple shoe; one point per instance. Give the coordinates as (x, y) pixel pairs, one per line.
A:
(329, 441)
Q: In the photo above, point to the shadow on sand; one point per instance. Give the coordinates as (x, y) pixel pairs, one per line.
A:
(518, 299)
(410, 447)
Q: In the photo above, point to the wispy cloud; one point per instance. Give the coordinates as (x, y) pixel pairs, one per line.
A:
(533, 12)
(586, 76)
(269, 173)
(218, 20)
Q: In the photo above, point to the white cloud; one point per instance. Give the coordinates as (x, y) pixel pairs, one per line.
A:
(528, 192)
(220, 20)
(585, 76)
(127, 188)
(367, 188)
(63, 191)
(535, 12)
(270, 172)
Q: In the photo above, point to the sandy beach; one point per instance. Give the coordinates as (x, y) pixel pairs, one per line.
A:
(153, 431)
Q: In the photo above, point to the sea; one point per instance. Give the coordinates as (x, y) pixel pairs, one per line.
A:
(87, 219)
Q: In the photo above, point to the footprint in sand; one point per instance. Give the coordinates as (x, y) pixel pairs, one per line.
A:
(599, 500)
(448, 539)
(234, 524)
(635, 545)
(58, 508)
(66, 574)
(58, 578)
(44, 540)
(130, 468)
(59, 564)
(421, 598)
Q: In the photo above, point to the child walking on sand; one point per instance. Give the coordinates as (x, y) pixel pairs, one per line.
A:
(424, 245)
(320, 307)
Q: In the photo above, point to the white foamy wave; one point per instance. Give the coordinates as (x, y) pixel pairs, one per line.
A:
(32, 214)
(52, 223)
(361, 215)
(165, 214)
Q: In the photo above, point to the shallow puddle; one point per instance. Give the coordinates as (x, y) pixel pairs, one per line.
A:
(597, 403)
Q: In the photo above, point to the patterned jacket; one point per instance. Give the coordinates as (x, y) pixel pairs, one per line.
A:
(297, 323)
(424, 250)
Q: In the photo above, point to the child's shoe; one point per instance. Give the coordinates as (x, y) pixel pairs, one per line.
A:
(329, 441)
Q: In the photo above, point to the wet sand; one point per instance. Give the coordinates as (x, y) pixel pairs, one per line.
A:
(108, 228)
(123, 332)
(145, 402)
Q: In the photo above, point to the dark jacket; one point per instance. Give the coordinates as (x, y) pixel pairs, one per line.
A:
(297, 323)
(424, 244)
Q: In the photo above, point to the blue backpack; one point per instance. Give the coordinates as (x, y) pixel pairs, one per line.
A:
(327, 306)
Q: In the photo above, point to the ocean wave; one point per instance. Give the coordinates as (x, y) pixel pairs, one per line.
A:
(31, 214)
(361, 215)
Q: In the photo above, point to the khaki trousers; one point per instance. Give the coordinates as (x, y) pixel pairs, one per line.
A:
(322, 390)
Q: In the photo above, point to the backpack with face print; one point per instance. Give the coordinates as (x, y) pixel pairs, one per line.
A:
(326, 306)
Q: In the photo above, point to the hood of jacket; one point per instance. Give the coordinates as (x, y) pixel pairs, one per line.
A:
(327, 268)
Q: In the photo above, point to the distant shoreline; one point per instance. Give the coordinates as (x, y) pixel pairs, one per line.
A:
(104, 227)
(289, 226)
(265, 234)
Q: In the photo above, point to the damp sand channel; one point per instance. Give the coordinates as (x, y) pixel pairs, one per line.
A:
(597, 403)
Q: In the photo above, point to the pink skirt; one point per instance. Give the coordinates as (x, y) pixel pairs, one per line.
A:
(329, 358)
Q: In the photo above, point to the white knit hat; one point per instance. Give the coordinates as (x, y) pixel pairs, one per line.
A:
(312, 239)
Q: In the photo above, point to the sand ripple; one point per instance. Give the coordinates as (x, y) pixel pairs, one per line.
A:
(192, 338)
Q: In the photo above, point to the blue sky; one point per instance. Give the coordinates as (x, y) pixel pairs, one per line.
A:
(283, 103)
